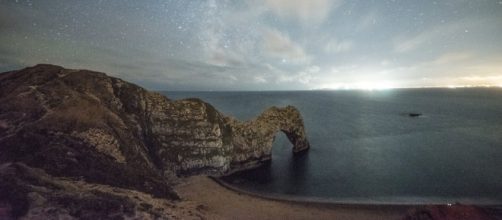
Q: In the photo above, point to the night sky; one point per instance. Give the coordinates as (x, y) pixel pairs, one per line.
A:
(261, 44)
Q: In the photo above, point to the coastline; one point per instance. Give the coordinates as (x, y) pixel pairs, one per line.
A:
(316, 201)
(347, 202)
(218, 201)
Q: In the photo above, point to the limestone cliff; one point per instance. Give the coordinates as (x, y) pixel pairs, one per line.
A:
(91, 127)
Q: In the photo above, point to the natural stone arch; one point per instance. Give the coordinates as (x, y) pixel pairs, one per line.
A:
(253, 140)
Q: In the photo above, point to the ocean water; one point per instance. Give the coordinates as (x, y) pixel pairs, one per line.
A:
(366, 149)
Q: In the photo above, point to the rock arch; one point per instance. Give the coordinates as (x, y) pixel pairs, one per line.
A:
(253, 140)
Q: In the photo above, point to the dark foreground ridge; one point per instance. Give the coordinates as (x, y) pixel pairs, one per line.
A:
(75, 142)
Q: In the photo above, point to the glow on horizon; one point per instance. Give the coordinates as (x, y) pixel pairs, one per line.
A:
(377, 86)
(369, 82)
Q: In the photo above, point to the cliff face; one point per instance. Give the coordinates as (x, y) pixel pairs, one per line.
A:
(88, 126)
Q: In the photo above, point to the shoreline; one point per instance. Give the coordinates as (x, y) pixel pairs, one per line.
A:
(324, 201)
(217, 200)
(221, 202)
(315, 201)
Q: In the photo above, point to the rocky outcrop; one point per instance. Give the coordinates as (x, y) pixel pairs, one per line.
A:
(90, 127)
(29, 193)
(131, 126)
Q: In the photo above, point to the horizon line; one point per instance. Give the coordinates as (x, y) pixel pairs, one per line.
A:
(341, 89)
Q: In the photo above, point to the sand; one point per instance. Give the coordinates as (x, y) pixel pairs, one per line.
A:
(219, 202)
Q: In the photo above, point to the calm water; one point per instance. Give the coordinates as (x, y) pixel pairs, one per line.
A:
(366, 149)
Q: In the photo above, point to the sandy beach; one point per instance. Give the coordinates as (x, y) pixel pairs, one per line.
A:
(219, 202)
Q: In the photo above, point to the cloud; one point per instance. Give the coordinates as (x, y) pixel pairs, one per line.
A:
(217, 52)
(407, 43)
(484, 79)
(280, 46)
(368, 20)
(259, 79)
(402, 46)
(304, 77)
(257, 44)
(334, 46)
(305, 11)
(452, 57)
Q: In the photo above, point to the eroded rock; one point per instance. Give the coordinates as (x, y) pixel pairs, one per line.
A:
(97, 129)
(130, 125)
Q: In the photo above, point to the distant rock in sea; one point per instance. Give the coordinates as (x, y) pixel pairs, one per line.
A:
(414, 114)
(76, 141)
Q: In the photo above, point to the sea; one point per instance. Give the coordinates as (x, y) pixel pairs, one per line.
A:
(366, 149)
